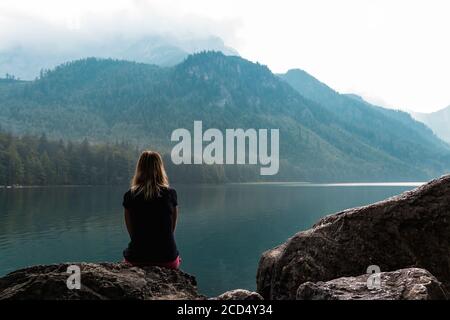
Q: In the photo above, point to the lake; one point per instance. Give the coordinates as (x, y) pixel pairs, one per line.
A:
(222, 230)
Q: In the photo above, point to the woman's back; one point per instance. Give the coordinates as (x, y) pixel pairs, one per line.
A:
(151, 225)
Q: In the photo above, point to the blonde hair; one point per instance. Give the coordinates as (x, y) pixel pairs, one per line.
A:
(150, 176)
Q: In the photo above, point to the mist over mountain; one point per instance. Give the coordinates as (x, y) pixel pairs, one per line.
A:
(438, 122)
(26, 62)
(324, 136)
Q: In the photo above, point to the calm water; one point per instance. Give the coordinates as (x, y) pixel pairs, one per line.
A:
(221, 233)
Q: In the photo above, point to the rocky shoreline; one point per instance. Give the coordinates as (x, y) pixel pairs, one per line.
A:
(407, 237)
(107, 281)
(406, 231)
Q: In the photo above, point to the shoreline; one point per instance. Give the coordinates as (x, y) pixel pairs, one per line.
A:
(274, 183)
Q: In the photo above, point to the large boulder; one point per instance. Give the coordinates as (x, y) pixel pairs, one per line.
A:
(239, 294)
(99, 281)
(404, 284)
(409, 230)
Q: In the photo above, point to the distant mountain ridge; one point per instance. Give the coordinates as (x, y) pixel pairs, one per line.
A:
(324, 136)
(438, 121)
(27, 62)
(368, 120)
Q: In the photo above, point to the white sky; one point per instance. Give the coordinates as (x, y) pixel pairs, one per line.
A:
(392, 52)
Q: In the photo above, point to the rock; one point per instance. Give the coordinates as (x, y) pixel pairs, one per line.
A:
(99, 281)
(266, 269)
(409, 230)
(404, 284)
(239, 294)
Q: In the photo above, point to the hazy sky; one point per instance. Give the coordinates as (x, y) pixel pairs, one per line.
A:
(393, 52)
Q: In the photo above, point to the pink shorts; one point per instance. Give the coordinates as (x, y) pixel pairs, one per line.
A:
(175, 264)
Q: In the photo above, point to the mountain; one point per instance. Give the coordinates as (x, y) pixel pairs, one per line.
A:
(326, 138)
(27, 62)
(438, 122)
(392, 132)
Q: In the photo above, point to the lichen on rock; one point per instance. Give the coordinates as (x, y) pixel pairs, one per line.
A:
(403, 284)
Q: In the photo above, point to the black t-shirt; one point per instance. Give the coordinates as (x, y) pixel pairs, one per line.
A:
(152, 238)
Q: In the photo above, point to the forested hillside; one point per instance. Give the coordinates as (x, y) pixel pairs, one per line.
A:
(108, 100)
(32, 161)
(438, 121)
(393, 132)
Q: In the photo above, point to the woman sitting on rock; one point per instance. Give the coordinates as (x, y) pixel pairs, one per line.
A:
(151, 215)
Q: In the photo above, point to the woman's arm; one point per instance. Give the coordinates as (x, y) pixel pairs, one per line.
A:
(128, 221)
(174, 218)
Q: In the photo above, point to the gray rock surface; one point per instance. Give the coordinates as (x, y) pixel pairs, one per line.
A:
(409, 230)
(239, 294)
(404, 284)
(99, 281)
